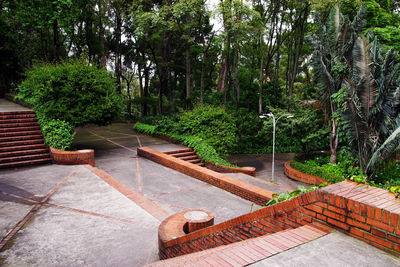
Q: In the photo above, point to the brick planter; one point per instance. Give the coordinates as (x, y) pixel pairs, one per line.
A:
(180, 224)
(79, 157)
(302, 177)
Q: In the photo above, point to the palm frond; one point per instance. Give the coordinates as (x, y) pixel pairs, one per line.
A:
(391, 144)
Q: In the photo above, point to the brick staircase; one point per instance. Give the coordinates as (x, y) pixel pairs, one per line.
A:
(187, 155)
(251, 249)
(21, 140)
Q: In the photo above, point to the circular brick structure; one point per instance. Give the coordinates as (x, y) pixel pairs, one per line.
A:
(181, 224)
(198, 219)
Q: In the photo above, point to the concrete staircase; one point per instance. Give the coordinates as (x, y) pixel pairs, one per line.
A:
(21, 140)
(187, 155)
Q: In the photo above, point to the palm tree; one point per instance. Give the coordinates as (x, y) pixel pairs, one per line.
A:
(367, 80)
(372, 112)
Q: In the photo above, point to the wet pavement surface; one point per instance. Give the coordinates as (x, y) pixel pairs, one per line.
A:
(53, 215)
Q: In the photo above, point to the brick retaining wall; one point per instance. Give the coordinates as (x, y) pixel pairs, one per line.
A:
(302, 177)
(244, 190)
(368, 213)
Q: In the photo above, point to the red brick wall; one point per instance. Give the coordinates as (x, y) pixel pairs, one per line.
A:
(78, 157)
(364, 212)
(247, 191)
(302, 177)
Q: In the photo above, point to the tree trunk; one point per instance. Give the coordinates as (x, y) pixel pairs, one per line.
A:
(203, 69)
(188, 84)
(236, 88)
(55, 40)
(334, 141)
(118, 64)
(260, 90)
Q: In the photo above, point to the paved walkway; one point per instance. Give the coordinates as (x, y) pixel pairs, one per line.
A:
(263, 165)
(56, 215)
(6, 105)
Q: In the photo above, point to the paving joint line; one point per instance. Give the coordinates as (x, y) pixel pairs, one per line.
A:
(33, 211)
(144, 225)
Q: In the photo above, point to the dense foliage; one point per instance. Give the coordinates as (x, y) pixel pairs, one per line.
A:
(73, 92)
(202, 148)
(58, 134)
(319, 165)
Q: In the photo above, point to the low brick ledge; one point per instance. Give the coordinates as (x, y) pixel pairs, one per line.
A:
(78, 157)
(367, 213)
(218, 168)
(242, 189)
(178, 225)
(302, 177)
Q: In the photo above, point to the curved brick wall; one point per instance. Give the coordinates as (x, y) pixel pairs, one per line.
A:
(368, 213)
(302, 177)
(78, 157)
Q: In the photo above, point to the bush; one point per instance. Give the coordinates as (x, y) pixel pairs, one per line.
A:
(145, 128)
(58, 134)
(73, 92)
(319, 165)
(202, 148)
(214, 125)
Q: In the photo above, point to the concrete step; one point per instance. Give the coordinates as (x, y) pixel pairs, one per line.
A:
(20, 120)
(20, 133)
(17, 116)
(25, 158)
(16, 125)
(22, 148)
(23, 152)
(20, 129)
(24, 163)
(21, 143)
(249, 251)
(20, 138)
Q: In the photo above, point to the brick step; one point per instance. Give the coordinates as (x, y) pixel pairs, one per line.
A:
(24, 163)
(21, 143)
(19, 138)
(16, 125)
(183, 154)
(201, 164)
(20, 133)
(17, 116)
(22, 148)
(21, 120)
(24, 158)
(179, 151)
(251, 250)
(20, 129)
(189, 157)
(23, 152)
(194, 161)
(21, 112)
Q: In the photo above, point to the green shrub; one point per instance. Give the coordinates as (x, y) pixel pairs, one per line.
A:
(145, 128)
(58, 134)
(73, 92)
(202, 148)
(212, 124)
